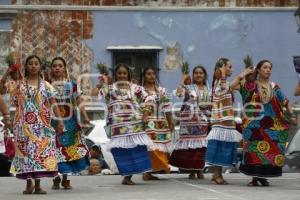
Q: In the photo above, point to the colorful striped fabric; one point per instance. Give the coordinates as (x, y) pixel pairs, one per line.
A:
(223, 137)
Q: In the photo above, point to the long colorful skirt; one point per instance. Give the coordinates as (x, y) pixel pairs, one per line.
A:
(159, 161)
(189, 159)
(132, 160)
(221, 153)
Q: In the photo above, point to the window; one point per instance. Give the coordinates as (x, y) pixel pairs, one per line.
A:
(137, 58)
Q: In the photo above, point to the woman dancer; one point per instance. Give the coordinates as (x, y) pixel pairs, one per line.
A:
(189, 151)
(265, 127)
(159, 124)
(73, 155)
(35, 155)
(129, 141)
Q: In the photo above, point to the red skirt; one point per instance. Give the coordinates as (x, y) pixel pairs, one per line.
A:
(190, 159)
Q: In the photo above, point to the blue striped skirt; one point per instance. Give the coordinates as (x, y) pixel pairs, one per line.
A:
(132, 161)
(221, 153)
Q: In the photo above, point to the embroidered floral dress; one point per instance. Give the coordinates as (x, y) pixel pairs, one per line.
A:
(189, 150)
(35, 151)
(125, 115)
(158, 129)
(73, 153)
(157, 126)
(265, 131)
(129, 141)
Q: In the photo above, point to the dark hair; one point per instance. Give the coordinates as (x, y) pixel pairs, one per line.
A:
(260, 64)
(118, 66)
(59, 58)
(204, 71)
(64, 63)
(27, 60)
(219, 64)
(96, 148)
(143, 74)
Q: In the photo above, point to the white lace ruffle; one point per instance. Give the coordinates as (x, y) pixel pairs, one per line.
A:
(164, 147)
(190, 144)
(129, 141)
(223, 134)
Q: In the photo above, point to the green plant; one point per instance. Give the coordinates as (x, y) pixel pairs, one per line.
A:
(220, 63)
(185, 68)
(248, 61)
(9, 60)
(11, 63)
(102, 68)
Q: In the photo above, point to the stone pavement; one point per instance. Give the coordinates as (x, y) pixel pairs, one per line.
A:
(171, 187)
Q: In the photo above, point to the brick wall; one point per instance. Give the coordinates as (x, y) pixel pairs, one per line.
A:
(54, 33)
(201, 3)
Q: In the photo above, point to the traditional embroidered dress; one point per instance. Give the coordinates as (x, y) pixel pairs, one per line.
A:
(158, 130)
(189, 150)
(129, 141)
(265, 131)
(223, 137)
(73, 155)
(35, 155)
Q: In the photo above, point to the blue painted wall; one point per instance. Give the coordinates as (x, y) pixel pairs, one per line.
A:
(5, 2)
(204, 37)
(5, 24)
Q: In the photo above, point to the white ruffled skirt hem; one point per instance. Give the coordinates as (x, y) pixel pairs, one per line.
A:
(129, 141)
(223, 134)
(190, 144)
(164, 147)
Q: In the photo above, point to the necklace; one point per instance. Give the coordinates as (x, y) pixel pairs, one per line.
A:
(122, 93)
(265, 92)
(31, 93)
(62, 88)
(202, 95)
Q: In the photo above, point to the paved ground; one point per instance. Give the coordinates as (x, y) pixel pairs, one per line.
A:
(172, 187)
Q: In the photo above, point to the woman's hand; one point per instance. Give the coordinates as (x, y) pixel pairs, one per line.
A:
(185, 79)
(86, 122)
(171, 126)
(60, 127)
(7, 123)
(179, 91)
(293, 120)
(247, 71)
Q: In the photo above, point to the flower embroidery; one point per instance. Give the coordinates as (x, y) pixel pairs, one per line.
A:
(279, 160)
(263, 146)
(50, 164)
(151, 125)
(250, 86)
(283, 136)
(72, 151)
(30, 117)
